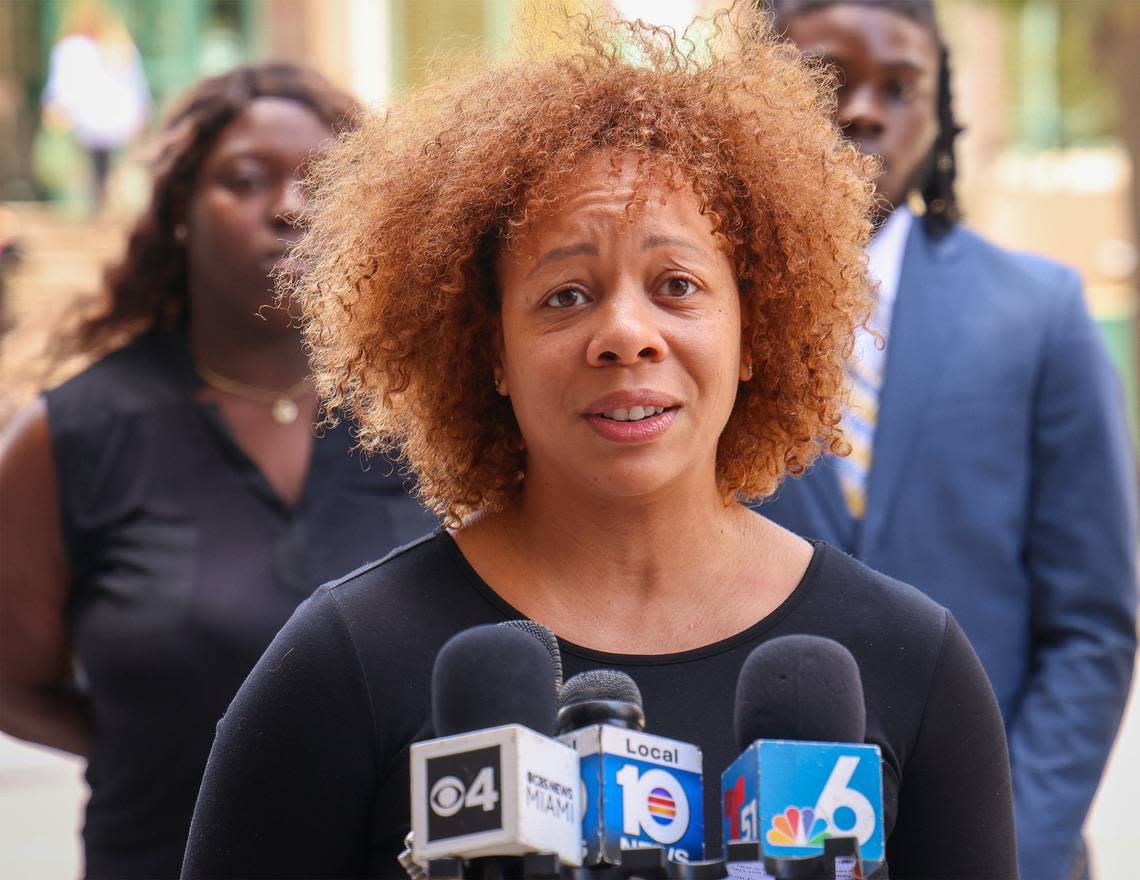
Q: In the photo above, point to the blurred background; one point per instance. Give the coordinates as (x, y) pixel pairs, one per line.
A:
(1049, 91)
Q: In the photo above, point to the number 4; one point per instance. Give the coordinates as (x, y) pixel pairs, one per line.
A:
(482, 792)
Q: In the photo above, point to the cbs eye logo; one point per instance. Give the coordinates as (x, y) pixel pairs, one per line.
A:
(463, 793)
(653, 804)
(449, 795)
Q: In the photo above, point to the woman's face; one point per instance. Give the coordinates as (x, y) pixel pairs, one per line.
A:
(621, 337)
(242, 217)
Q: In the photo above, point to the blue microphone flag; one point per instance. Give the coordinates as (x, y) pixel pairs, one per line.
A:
(639, 790)
(790, 796)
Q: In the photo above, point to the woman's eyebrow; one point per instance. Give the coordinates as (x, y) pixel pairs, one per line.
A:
(244, 152)
(561, 253)
(654, 241)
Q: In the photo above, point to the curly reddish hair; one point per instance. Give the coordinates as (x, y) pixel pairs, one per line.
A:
(410, 212)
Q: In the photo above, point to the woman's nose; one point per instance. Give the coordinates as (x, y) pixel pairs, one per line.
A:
(290, 202)
(627, 329)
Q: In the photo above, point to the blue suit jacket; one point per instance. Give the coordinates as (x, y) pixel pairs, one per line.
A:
(1002, 486)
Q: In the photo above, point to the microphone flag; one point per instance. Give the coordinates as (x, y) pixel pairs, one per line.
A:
(503, 791)
(639, 790)
(791, 796)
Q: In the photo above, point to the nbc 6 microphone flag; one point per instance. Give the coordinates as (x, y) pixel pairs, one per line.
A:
(791, 796)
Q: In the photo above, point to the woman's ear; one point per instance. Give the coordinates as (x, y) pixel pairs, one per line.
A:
(745, 364)
(497, 371)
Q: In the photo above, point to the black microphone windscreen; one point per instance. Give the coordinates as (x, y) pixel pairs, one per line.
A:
(549, 641)
(600, 684)
(492, 675)
(800, 687)
(600, 696)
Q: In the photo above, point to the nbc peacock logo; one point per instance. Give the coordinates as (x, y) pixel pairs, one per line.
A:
(798, 826)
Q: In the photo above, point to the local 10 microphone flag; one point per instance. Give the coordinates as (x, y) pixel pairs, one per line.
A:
(639, 790)
(790, 796)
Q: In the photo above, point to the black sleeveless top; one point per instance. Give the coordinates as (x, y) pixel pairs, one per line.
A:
(185, 563)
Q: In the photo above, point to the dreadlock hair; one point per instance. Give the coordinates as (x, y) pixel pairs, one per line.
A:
(941, 168)
(148, 289)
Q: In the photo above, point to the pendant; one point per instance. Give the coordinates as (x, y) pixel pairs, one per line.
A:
(284, 411)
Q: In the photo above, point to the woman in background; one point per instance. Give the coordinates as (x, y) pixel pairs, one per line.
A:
(165, 510)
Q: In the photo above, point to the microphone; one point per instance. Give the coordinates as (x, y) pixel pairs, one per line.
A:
(600, 696)
(494, 783)
(639, 790)
(548, 640)
(804, 776)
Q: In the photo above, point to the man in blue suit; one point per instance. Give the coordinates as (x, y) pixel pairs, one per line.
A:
(990, 465)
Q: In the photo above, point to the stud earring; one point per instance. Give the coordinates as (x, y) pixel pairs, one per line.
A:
(181, 233)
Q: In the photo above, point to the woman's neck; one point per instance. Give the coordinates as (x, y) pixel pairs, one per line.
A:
(265, 357)
(653, 546)
(636, 576)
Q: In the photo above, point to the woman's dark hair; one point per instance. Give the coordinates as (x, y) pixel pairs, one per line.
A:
(937, 189)
(147, 290)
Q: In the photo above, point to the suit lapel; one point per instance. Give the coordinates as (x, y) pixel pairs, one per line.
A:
(925, 323)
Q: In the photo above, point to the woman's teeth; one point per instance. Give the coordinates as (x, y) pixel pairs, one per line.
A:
(633, 414)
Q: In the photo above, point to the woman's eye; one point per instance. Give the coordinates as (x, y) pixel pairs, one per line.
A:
(678, 287)
(245, 180)
(565, 298)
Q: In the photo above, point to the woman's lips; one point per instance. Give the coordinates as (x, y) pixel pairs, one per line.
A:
(639, 431)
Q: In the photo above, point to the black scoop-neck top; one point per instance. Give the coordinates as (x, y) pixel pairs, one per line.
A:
(185, 563)
(309, 773)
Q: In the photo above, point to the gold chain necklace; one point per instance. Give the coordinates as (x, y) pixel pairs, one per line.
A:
(282, 404)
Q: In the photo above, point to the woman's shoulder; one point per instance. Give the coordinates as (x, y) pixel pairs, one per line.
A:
(897, 634)
(152, 370)
(849, 588)
(390, 617)
(426, 558)
(420, 588)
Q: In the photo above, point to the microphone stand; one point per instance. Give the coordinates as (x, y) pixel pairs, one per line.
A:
(840, 860)
(532, 866)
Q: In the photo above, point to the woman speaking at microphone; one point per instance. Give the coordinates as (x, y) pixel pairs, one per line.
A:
(595, 302)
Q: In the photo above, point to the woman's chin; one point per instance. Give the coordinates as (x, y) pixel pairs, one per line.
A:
(633, 482)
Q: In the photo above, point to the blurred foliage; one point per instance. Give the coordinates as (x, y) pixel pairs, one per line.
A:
(1089, 64)
(1064, 97)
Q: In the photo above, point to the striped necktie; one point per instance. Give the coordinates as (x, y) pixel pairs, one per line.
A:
(866, 376)
(865, 372)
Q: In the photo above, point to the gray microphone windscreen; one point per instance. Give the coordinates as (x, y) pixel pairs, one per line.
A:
(800, 687)
(549, 641)
(491, 675)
